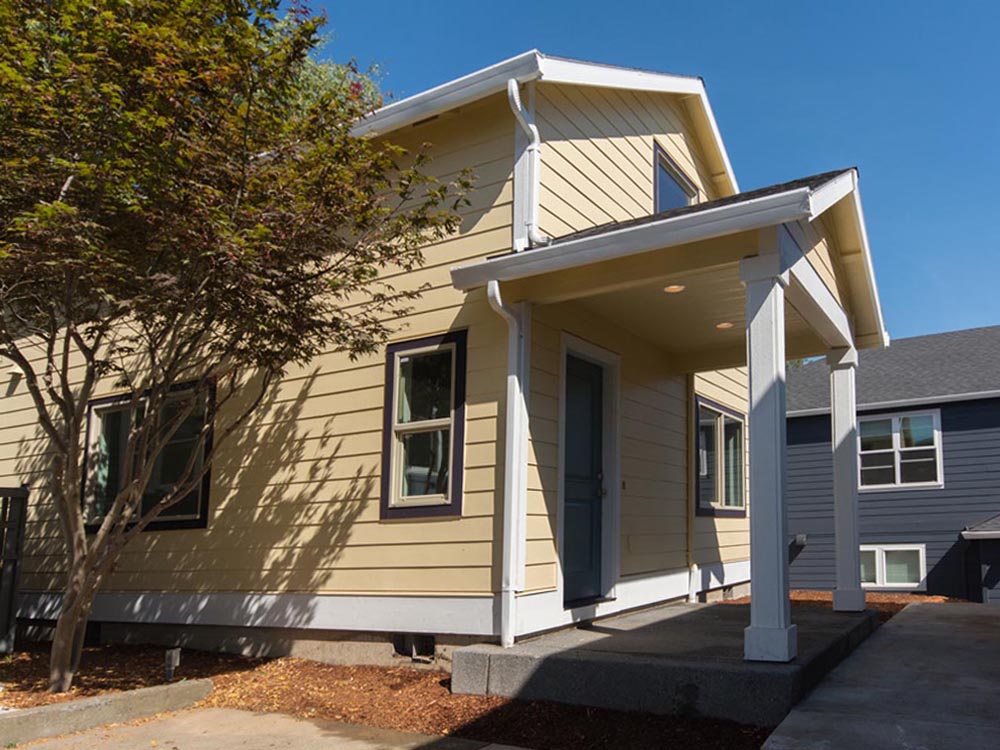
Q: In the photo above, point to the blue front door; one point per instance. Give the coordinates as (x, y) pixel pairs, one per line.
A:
(583, 481)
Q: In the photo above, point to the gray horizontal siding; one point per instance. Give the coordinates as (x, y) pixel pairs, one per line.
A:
(934, 517)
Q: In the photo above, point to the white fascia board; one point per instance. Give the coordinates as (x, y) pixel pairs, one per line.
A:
(713, 126)
(456, 93)
(832, 192)
(577, 73)
(866, 255)
(981, 534)
(902, 403)
(769, 210)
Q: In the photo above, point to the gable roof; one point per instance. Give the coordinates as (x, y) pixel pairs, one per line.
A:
(535, 66)
(922, 369)
(988, 529)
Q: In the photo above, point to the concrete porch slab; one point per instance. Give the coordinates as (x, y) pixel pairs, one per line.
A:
(684, 659)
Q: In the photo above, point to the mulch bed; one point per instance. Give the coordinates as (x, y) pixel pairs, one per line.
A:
(414, 700)
(24, 675)
(886, 605)
(401, 698)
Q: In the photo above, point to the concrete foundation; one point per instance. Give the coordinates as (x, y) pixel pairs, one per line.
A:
(684, 659)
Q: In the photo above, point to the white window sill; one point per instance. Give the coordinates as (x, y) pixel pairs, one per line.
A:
(901, 487)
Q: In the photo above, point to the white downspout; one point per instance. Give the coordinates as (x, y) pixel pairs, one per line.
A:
(525, 120)
(512, 476)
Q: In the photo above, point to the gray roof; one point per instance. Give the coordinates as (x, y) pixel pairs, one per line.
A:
(990, 528)
(917, 369)
(812, 182)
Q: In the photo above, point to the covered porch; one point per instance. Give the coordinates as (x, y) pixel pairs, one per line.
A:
(753, 280)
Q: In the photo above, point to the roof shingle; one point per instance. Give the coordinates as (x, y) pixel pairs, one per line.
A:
(919, 368)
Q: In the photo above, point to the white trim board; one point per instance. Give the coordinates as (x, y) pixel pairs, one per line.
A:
(545, 611)
(535, 66)
(459, 615)
(903, 402)
(471, 615)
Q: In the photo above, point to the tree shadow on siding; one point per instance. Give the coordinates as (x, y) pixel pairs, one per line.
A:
(286, 495)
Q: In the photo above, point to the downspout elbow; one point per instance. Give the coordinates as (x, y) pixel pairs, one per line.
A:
(524, 120)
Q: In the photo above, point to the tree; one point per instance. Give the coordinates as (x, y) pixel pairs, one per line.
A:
(183, 214)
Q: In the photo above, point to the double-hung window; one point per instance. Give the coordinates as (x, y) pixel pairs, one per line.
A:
(424, 427)
(720, 470)
(181, 458)
(900, 450)
(671, 187)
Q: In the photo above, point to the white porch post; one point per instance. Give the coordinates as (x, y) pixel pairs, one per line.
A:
(771, 635)
(849, 596)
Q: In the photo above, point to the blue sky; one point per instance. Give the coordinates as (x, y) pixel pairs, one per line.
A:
(906, 91)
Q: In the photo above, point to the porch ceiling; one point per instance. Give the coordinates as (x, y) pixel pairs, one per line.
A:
(684, 324)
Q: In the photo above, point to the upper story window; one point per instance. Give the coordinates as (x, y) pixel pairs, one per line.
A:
(671, 187)
(900, 450)
(423, 438)
(720, 460)
(109, 423)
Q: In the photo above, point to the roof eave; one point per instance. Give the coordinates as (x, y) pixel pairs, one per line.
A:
(757, 213)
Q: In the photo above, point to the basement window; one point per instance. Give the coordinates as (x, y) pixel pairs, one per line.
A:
(671, 187)
(423, 436)
(720, 465)
(900, 451)
(894, 566)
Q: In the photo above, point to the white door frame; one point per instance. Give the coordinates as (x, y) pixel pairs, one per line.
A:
(610, 363)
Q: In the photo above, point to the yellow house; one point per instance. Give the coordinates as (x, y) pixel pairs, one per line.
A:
(584, 413)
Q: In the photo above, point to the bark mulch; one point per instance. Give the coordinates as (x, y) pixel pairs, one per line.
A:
(24, 675)
(886, 605)
(415, 700)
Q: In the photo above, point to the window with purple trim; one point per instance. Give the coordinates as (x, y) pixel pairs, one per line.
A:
(720, 444)
(424, 427)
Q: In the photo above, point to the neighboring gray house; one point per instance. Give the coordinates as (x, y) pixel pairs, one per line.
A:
(929, 468)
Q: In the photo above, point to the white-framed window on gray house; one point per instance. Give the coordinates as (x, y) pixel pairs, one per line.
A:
(900, 451)
(671, 187)
(894, 566)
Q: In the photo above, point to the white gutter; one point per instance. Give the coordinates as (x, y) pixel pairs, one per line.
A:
(515, 457)
(903, 402)
(533, 156)
(980, 534)
(757, 213)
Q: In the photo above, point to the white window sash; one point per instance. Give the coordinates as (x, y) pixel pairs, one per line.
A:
(719, 503)
(402, 429)
(880, 576)
(898, 450)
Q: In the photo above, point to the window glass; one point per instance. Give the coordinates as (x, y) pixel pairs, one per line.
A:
(902, 566)
(733, 443)
(706, 456)
(917, 432)
(106, 468)
(424, 387)
(878, 468)
(172, 464)
(425, 463)
(918, 466)
(868, 574)
(876, 434)
(669, 192)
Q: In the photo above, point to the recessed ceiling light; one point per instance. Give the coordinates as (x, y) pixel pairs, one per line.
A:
(674, 288)
(724, 326)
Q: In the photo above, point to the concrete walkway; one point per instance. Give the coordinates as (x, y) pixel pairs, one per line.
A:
(224, 728)
(928, 680)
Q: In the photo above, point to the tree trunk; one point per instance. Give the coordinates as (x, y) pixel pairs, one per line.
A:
(67, 642)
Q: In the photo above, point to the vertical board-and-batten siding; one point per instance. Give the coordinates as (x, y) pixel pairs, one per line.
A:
(294, 502)
(934, 516)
